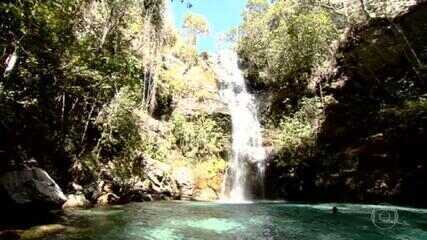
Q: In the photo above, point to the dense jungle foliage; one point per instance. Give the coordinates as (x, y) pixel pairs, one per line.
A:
(88, 76)
(73, 59)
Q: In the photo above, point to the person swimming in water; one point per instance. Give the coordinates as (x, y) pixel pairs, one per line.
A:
(334, 210)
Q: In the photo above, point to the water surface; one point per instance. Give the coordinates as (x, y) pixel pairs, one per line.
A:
(262, 220)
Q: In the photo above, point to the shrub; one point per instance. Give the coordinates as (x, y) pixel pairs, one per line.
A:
(198, 138)
(298, 132)
(117, 124)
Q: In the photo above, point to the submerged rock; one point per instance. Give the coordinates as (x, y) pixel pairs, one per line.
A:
(32, 188)
(42, 231)
(36, 232)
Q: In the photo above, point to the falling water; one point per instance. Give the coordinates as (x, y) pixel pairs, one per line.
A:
(248, 154)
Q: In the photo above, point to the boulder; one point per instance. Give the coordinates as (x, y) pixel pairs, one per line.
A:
(185, 181)
(76, 187)
(76, 201)
(107, 199)
(390, 9)
(143, 186)
(147, 198)
(32, 187)
(160, 179)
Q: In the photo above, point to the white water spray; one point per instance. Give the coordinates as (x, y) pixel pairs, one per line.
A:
(247, 149)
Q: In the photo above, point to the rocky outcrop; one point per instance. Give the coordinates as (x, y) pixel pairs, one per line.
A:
(382, 8)
(196, 89)
(32, 188)
(372, 140)
(205, 194)
(362, 10)
(107, 199)
(76, 201)
(378, 84)
(185, 182)
(190, 106)
(157, 182)
(160, 181)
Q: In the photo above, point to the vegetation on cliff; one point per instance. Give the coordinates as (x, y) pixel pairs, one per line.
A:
(337, 81)
(73, 58)
(94, 85)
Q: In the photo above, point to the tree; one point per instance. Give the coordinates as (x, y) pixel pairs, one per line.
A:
(73, 60)
(257, 6)
(284, 40)
(195, 25)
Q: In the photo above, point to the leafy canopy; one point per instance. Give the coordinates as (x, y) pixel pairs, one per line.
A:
(284, 40)
(195, 25)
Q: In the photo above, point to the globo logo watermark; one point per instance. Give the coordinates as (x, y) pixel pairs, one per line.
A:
(384, 218)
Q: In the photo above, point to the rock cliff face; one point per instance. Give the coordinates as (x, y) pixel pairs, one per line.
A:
(364, 9)
(195, 88)
(373, 136)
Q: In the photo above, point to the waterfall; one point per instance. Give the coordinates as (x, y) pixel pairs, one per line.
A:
(248, 154)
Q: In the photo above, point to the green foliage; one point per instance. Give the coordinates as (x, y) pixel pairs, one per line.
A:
(195, 25)
(157, 144)
(40, 93)
(198, 138)
(407, 114)
(117, 124)
(419, 105)
(76, 60)
(172, 81)
(73, 100)
(209, 173)
(284, 41)
(298, 132)
(185, 52)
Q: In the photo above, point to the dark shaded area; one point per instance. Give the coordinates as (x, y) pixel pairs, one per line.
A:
(371, 146)
(22, 218)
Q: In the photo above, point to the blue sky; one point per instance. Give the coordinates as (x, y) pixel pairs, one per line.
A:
(222, 15)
